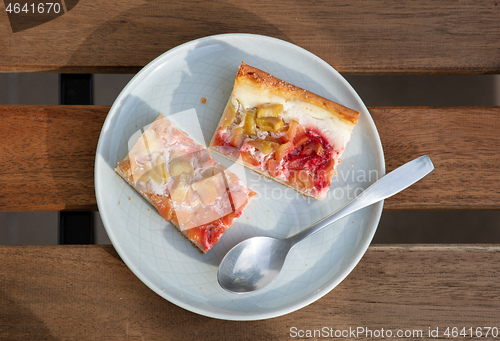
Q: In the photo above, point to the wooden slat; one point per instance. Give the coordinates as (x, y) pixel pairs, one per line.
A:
(87, 293)
(463, 143)
(48, 155)
(353, 36)
(50, 152)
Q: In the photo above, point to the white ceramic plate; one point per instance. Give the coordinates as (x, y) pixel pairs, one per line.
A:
(160, 256)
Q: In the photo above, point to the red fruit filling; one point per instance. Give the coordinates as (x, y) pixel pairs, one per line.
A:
(304, 158)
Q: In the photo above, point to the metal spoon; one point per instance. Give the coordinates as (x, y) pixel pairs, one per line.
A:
(255, 262)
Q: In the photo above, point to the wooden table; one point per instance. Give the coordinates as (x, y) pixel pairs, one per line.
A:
(86, 292)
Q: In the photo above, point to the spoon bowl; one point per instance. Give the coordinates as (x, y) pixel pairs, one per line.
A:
(255, 262)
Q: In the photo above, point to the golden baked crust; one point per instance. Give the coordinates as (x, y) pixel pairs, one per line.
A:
(289, 91)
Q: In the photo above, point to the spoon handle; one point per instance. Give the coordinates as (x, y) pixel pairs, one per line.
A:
(387, 186)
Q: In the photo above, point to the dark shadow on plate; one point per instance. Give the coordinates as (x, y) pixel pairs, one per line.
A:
(117, 132)
(225, 78)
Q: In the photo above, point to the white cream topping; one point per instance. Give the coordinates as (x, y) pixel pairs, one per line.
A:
(336, 131)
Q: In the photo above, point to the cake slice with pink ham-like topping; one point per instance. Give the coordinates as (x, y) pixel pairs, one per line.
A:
(184, 183)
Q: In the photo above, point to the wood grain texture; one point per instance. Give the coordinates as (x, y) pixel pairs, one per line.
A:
(88, 293)
(50, 154)
(463, 144)
(361, 36)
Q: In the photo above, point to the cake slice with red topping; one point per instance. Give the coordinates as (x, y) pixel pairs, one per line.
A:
(184, 183)
(284, 132)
